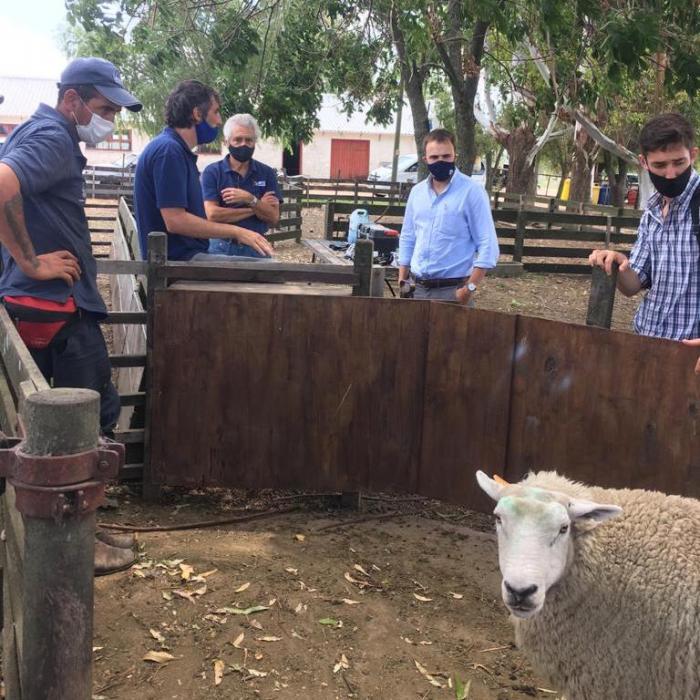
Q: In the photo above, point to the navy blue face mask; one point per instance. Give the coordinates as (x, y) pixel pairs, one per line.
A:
(206, 133)
(441, 170)
(242, 153)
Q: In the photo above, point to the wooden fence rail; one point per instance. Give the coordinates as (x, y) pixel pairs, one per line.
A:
(523, 233)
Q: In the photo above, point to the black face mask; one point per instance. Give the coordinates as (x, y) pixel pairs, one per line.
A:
(242, 153)
(441, 170)
(671, 186)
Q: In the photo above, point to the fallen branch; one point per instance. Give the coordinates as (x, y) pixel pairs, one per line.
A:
(366, 518)
(198, 525)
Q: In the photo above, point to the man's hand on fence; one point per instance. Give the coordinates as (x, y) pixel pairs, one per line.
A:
(463, 295)
(605, 259)
(406, 289)
(235, 195)
(61, 264)
(255, 241)
(696, 344)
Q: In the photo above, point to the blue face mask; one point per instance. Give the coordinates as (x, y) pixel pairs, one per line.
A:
(441, 170)
(206, 133)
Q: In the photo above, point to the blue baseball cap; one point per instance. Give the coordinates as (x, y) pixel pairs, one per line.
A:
(103, 76)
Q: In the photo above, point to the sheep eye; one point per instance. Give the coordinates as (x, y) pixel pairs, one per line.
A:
(498, 519)
(563, 529)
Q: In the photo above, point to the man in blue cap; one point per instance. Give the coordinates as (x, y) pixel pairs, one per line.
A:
(49, 277)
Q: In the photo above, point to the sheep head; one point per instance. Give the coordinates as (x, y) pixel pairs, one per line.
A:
(535, 542)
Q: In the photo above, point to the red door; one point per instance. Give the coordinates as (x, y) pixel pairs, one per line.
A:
(349, 159)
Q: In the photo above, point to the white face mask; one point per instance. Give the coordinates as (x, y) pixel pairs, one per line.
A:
(97, 130)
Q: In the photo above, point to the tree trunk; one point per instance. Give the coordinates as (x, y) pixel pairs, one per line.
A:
(462, 65)
(581, 169)
(617, 180)
(465, 131)
(413, 80)
(492, 166)
(518, 144)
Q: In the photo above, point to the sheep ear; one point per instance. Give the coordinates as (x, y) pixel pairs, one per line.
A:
(592, 513)
(491, 487)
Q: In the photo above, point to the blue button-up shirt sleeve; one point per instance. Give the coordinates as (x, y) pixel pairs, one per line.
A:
(640, 257)
(210, 183)
(40, 162)
(478, 214)
(407, 239)
(170, 188)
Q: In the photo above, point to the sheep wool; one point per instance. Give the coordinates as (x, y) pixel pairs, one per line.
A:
(623, 623)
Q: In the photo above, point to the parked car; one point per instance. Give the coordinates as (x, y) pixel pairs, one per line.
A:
(115, 172)
(407, 171)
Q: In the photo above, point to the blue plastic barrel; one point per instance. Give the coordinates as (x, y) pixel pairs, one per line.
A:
(604, 196)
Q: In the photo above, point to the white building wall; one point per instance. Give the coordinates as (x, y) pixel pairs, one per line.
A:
(316, 155)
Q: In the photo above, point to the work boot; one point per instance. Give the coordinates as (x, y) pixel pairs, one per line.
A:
(124, 540)
(109, 560)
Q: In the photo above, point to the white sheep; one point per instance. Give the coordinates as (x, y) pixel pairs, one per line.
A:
(607, 613)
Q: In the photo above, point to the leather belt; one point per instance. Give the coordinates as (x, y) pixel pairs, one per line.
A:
(437, 283)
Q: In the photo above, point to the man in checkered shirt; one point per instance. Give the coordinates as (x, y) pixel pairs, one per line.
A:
(665, 260)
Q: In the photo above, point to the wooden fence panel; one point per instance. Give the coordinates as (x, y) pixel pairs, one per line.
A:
(608, 408)
(127, 339)
(410, 396)
(287, 391)
(467, 389)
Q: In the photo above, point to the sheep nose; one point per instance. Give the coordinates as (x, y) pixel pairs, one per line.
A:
(519, 595)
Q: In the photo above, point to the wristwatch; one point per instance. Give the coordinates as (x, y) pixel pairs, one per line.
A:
(253, 201)
(471, 287)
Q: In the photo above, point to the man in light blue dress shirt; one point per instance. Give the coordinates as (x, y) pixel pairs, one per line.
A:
(448, 240)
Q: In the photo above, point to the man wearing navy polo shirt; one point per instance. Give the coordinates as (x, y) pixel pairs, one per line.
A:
(49, 276)
(239, 189)
(167, 193)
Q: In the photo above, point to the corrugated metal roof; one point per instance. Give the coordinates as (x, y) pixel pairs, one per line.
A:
(23, 95)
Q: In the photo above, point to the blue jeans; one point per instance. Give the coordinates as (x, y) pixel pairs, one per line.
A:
(80, 360)
(219, 246)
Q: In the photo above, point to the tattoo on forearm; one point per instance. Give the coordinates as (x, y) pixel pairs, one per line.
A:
(14, 213)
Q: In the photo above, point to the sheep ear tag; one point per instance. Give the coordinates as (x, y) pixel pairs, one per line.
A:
(500, 480)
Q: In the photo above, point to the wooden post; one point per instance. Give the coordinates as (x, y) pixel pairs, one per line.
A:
(56, 578)
(157, 257)
(364, 254)
(602, 298)
(330, 215)
(551, 208)
(519, 241)
(376, 286)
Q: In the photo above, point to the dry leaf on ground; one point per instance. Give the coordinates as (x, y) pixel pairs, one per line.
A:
(158, 657)
(431, 679)
(219, 667)
(422, 598)
(342, 663)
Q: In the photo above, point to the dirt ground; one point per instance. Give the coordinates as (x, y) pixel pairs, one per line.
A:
(400, 607)
(405, 606)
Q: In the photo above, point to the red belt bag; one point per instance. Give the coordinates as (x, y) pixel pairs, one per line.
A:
(39, 321)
